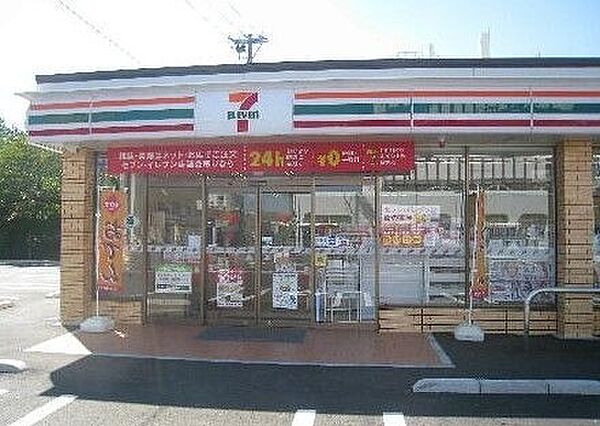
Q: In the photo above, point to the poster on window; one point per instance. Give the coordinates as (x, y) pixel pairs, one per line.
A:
(173, 278)
(112, 207)
(511, 280)
(285, 291)
(230, 288)
(409, 226)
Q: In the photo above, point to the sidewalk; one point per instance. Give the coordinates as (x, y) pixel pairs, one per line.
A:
(341, 347)
(498, 357)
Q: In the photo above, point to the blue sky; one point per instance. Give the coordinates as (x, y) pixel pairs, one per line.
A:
(518, 27)
(43, 37)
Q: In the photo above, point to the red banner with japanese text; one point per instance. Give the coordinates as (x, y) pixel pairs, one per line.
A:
(272, 158)
(111, 240)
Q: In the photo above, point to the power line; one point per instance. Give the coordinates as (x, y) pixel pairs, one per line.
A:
(235, 11)
(99, 32)
(224, 17)
(205, 19)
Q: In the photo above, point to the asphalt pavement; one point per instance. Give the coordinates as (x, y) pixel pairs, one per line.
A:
(100, 390)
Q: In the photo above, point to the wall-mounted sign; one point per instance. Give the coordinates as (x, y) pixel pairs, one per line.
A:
(249, 110)
(173, 278)
(111, 240)
(275, 158)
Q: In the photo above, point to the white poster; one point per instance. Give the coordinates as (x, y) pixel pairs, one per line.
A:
(173, 278)
(230, 288)
(285, 290)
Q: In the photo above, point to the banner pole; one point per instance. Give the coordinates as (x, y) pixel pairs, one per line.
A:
(97, 250)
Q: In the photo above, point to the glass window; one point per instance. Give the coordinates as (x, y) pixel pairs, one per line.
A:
(422, 257)
(345, 249)
(134, 261)
(596, 241)
(175, 238)
(518, 224)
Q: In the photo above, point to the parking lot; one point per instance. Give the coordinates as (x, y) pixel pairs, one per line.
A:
(62, 389)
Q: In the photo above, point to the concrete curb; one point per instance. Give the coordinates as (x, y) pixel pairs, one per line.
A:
(12, 366)
(508, 386)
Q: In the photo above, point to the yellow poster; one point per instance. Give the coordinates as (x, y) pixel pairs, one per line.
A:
(111, 240)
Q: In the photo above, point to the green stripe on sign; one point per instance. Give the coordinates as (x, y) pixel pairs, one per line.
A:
(471, 108)
(140, 115)
(77, 117)
(352, 109)
(566, 108)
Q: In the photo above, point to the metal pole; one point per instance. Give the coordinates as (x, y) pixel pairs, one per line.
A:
(530, 296)
(249, 41)
(97, 250)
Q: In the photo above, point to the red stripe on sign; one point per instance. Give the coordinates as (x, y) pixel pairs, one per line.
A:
(60, 132)
(353, 123)
(472, 123)
(144, 129)
(566, 123)
(566, 93)
(114, 103)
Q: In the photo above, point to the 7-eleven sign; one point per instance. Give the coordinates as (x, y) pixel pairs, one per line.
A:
(245, 101)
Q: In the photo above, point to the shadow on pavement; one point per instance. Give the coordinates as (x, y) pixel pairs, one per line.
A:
(340, 390)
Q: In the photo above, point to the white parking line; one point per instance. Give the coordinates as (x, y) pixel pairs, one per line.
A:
(393, 419)
(44, 411)
(304, 418)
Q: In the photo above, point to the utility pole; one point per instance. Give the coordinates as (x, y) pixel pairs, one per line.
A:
(246, 44)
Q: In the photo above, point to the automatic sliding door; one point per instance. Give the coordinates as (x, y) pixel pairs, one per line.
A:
(285, 286)
(231, 222)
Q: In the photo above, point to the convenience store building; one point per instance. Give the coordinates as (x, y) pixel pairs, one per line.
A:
(336, 193)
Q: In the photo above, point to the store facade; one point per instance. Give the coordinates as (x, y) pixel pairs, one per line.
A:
(375, 194)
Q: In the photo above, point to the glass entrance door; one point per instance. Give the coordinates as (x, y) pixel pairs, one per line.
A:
(231, 283)
(286, 295)
(290, 251)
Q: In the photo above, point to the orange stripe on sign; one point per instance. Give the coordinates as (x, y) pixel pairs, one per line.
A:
(404, 93)
(69, 105)
(238, 97)
(113, 103)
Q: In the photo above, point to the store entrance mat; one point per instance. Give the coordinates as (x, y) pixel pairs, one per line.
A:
(255, 334)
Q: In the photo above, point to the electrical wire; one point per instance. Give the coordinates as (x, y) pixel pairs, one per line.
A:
(223, 16)
(98, 31)
(206, 19)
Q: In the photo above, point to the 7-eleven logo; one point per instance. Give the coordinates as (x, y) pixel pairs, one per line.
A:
(243, 114)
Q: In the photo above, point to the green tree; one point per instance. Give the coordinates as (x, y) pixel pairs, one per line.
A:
(29, 198)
